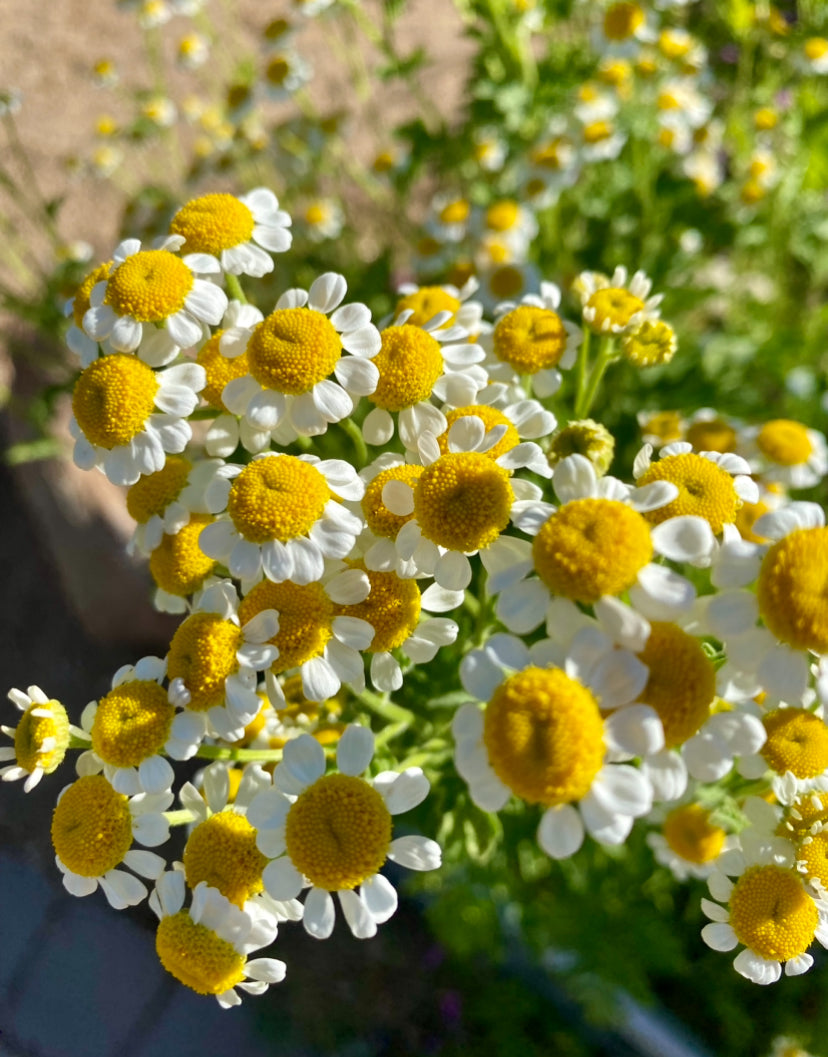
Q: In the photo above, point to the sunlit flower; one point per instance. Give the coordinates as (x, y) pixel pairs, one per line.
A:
(612, 304)
(785, 452)
(41, 737)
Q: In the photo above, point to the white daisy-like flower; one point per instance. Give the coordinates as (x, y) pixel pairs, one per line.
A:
(84, 347)
(291, 355)
(284, 73)
(427, 301)
(680, 104)
(206, 946)
(242, 232)
(564, 764)
(510, 222)
(449, 217)
(815, 55)
(153, 301)
(623, 29)
(281, 515)
(41, 737)
(127, 417)
(323, 218)
(688, 841)
(162, 502)
(785, 452)
(332, 833)
(613, 304)
(93, 830)
(599, 140)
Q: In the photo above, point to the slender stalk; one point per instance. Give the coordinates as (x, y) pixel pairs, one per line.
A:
(385, 709)
(581, 370)
(355, 433)
(606, 354)
(234, 288)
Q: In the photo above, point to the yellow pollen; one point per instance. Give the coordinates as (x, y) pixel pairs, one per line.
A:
(690, 834)
(490, 417)
(277, 498)
(666, 425)
(506, 281)
(392, 609)
(793, 589)
(213, 223)
(682, 682)
(293, 349)
(705, 490)
(785, 442)
(614, 307)
(409, 363)
(712, 434)
(91, 827)
(305, 615)
(652, 343)
(33, 731)
(338, 832)
(222, 851)
(152, 494)
(797, 742)
(80, 304)
(502, 216)
(380, 520)
(816, 48)
(814, 854)
(544, 736)
(425, 303)
(219, 370)
(178, 565)
(203, 653)
(772, 914)
(590, 548)
(463, 501)
(132, 723)
(622, 20)
(456, 212)
(113, 398)
(149, 286)
(530, 339)
(196, 956)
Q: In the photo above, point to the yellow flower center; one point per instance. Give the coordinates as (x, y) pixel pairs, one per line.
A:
(673, 45)
(113, 398)
(502, 216)
(765, 118)
(293, 349)
(203, 653)
(213, 223)
(490, 417)
(380, 520)
(814, 854)
(650, 344)
(597, 131)
(152, 494)
(132, 723)
(614, 307)
(425, 303)
(682, 682)
(149, 286)
(797, 742)
(277, 71)
(585, 437)
(666, 425)
(548, 155)
(691, 835)
(463, 501)
(337, 833)
(196, 956)
(80, 304)
(222, 851)
(772, 914)
(785, 442)
(91, 827)
(590, 548)
(506, 281)
(277, 498)
(816, 48)
(544, 736)
(409, 364)
(530, 339)
(622, 20)
(317, 213)
(392, 609)
(456, 212)
(793, 589)
(810, 808)
(747, 516)
(178, 565)
(712, 434)
(705, 490)
(219, 370)
(31, 733)
(305, 615)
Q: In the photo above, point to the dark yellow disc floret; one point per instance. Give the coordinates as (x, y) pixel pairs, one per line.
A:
(305, 615)
(490, 417)
(196, 956)
(622, 20)
(409, 363)
(426, 302)
(692, 836)
(544, 736)
(213, 223)
(42, 740)
(132, 723)
(392, 609)
(503, 215)
(380, 520)
(203, 653)
(222, 851)
(682, 681)
(813, 855)
(80, 304)
(152, 494)
(705, 490)
(91, 827)
(293, 349)
(178, 565)
(793, 589)
(338, 832)
(590, 548)
(278, 498)
(785, 442)
(113, 398)
(530, 339)
(650, 344)
(797, 742)
(463, 501)
(772, 914)
(149, 286)
(219, 370)
(711, 434)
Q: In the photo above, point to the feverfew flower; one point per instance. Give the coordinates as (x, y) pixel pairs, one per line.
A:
(611, 304)
(41, 737)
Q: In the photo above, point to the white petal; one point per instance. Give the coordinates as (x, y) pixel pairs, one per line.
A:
(406, 791)
(379, 897)
(355, 750)
(319, 915)
(281, 879)
(561, 831)
(304, 757)
(415, 853)
(720, 936)
(360, 921)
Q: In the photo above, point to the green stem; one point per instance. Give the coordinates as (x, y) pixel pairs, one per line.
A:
(385, 709)
(234, 288)
(355, 433)
(180, 818)
(389, 733)
(581, 371)
(606, 354)
(223, 752)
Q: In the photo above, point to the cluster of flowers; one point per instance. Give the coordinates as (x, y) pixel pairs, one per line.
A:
(643, 651)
